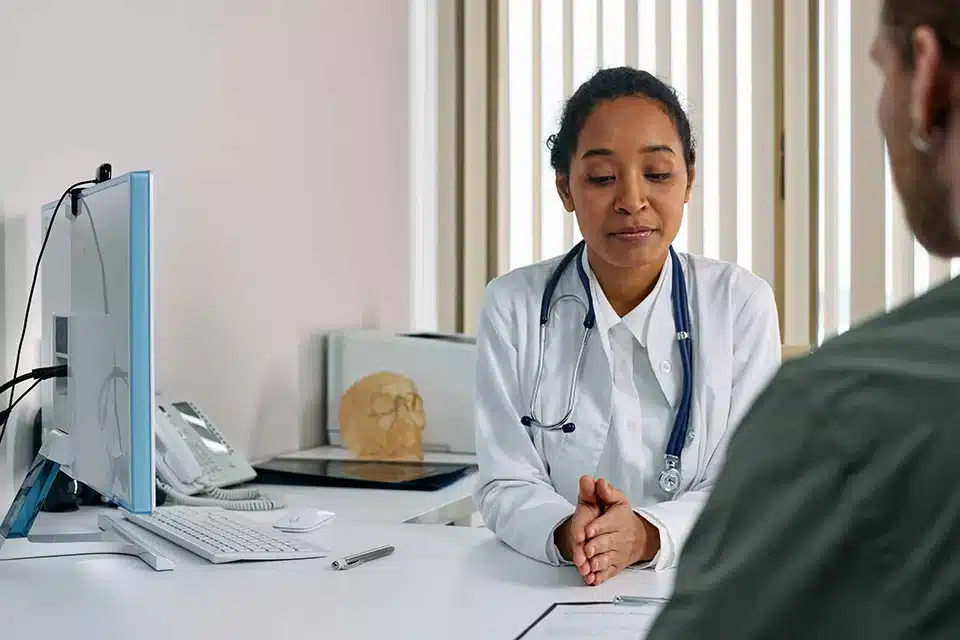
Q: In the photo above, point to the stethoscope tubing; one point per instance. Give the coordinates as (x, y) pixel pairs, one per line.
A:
(681, 315)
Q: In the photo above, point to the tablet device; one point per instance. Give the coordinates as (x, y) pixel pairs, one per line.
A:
(364, 474)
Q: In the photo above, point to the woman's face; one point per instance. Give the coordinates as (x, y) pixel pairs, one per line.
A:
(628, 182)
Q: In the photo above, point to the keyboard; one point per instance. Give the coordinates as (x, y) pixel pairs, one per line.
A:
(219, 536)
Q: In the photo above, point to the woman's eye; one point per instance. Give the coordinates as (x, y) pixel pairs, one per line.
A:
(600, 179)
(658, 177)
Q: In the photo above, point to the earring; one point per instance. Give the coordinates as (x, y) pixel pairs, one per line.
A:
(920, 143)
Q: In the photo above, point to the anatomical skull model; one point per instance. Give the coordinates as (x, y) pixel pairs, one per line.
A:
(382, 417)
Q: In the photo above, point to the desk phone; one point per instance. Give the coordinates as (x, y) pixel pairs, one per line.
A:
(194, 461)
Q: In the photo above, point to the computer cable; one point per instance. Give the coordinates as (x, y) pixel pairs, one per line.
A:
(38, 375)
(33, 286)
(104, 173)
(6, 412)
(116, 373)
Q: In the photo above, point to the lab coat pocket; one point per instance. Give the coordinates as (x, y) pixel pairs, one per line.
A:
(578, 453)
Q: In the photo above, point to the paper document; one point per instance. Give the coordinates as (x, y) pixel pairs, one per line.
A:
(595, 620)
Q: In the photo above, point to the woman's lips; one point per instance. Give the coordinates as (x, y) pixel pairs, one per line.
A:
(634, 235)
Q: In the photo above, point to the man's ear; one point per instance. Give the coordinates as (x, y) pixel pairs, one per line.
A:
(563, 189)
(691, 176)
(929, 86)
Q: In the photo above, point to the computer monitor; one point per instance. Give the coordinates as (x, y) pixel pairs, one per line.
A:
(96, 313)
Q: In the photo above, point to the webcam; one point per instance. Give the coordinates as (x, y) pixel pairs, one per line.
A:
(104, 173)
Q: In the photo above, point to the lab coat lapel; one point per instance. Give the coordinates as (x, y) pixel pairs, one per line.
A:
(693, 461)
(662, 346)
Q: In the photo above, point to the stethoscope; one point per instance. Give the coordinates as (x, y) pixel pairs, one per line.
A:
(670, 477)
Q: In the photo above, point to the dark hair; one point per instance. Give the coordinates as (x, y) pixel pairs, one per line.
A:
(609, 84)
(903, 16)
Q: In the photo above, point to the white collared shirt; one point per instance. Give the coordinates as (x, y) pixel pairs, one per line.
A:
(642, 415)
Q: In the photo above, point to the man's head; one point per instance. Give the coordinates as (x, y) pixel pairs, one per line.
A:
(917, 48)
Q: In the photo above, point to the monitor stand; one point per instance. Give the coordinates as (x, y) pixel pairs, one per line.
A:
(114, 537)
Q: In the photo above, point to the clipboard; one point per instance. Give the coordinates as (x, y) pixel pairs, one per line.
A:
(639, 615)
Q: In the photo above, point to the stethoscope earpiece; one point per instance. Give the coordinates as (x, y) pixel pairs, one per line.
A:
(569, 427)
(526, 421)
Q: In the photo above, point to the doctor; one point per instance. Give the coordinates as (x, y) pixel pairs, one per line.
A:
(610, 381)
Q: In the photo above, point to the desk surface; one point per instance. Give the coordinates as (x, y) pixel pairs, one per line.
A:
(441, 582)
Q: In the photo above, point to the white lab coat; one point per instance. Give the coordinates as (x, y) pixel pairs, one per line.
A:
(528, 477)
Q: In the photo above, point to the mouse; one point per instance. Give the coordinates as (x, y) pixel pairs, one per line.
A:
(303, 519)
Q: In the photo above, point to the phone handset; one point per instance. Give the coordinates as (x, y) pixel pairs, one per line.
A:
(181, 477)
(176, 464)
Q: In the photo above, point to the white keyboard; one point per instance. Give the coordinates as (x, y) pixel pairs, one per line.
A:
(218, 535)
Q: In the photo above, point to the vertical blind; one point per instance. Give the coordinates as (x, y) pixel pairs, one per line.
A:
(868, 259)
(717, 54)
(721, 56)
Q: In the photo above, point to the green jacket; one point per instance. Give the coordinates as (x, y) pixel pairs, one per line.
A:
(837, 514)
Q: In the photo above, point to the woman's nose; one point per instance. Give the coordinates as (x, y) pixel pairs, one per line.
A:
(631, 194)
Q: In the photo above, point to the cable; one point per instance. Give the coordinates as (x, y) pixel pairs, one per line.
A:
(33, 285)
(245, 500)
(6, 412)
(21, 378)
(38, 375)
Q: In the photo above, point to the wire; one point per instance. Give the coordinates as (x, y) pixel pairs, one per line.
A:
(39, 374)
(116, 372)
(232, 500)
(6, 412)
(21, 378)
(33, 285)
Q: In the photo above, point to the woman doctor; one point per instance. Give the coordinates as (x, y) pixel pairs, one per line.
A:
(603, 415)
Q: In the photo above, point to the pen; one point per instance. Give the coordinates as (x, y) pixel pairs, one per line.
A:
(349, 562)
(637, 600)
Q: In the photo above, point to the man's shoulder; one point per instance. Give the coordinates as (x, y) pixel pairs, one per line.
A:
(903, 363)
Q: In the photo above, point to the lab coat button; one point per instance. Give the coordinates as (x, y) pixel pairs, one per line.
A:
(665, 366)
(690, 433)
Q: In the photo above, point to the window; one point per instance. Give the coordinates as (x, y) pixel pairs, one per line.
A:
(801, 196)
(720, 56)
(868, 259)
(703, 48)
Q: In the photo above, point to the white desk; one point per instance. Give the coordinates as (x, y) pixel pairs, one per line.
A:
(450, 505)
(442, 582)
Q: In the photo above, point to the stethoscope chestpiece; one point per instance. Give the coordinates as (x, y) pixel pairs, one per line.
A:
(670, 478)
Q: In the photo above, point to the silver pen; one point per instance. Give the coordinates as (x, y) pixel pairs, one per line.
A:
(349, 562)
(637, 600)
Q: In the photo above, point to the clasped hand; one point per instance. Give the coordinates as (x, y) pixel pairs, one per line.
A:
(605, 535)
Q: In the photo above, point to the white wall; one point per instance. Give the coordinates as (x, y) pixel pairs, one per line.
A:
(278, 135)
